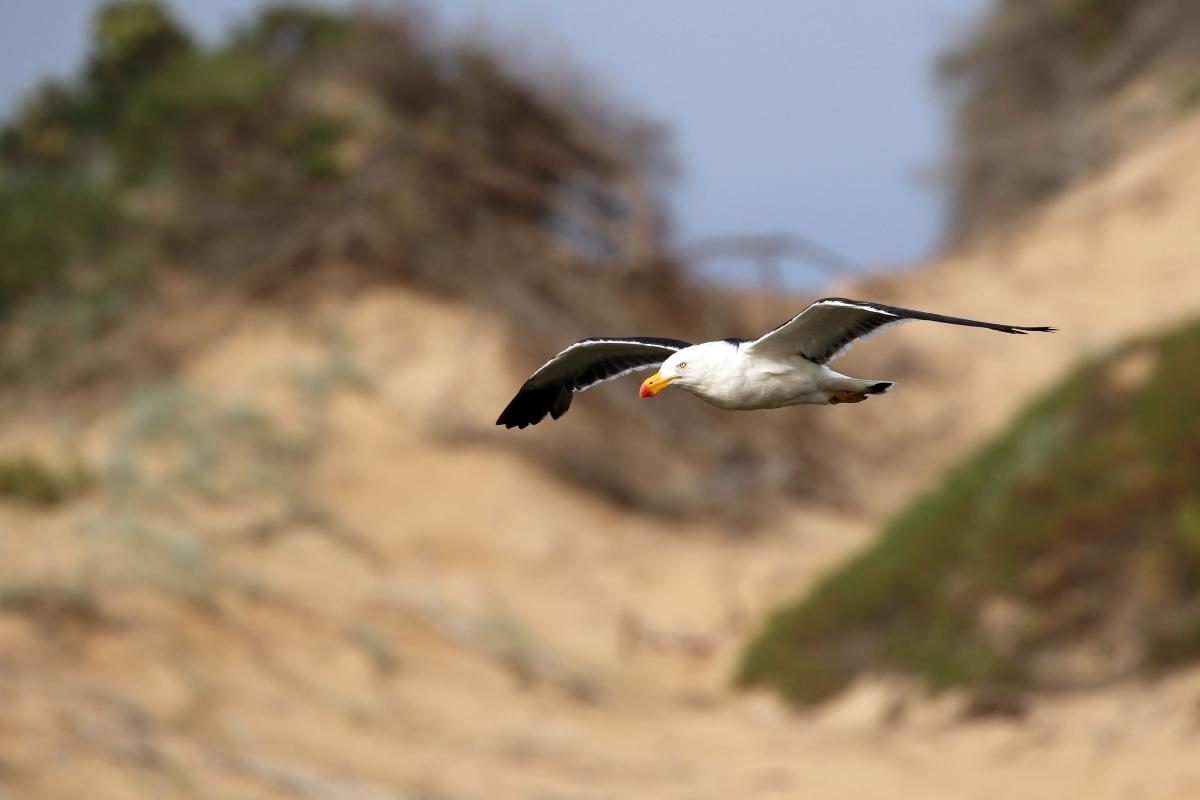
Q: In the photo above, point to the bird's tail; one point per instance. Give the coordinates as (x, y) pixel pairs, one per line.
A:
(853, 390)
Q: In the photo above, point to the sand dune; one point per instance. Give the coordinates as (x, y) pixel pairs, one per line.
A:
(326, 576)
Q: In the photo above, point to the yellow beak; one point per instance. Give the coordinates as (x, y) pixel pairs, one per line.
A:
(653, 385)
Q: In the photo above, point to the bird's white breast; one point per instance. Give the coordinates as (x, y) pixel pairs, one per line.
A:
(740, 382)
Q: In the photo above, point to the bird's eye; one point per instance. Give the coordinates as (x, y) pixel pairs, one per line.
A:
(682, 365)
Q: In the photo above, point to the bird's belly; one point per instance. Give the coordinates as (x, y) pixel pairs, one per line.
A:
(767, 390)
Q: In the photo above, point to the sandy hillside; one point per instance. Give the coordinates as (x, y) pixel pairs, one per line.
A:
(311, 568)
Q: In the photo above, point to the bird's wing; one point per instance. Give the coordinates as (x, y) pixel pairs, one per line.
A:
(827, 328)
(581, 366)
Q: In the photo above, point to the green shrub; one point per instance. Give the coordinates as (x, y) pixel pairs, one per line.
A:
(131, 41)
(221, 96)
(29, 481)
(46, 223)
(287, 31)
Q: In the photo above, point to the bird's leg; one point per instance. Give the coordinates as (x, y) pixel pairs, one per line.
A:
(846, 396)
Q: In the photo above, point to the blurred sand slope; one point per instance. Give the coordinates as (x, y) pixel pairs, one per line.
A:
(418, 612)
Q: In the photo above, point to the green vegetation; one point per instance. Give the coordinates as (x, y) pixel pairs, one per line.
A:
(84, 164)
(30, 481)
(1079, 527)
(307, 133)
(308, 139)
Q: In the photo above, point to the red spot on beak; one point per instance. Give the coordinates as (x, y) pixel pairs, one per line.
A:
(653, 385)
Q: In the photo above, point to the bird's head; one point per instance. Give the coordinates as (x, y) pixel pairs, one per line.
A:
(685, 368)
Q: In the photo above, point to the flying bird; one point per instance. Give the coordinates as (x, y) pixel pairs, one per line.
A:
(786, 366)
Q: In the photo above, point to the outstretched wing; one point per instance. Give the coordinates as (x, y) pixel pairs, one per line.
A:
(828, 327)
(581, 366)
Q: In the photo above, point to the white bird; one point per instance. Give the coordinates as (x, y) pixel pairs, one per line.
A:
(784, 367)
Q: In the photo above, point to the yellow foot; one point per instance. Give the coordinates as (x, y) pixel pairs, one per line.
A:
(846, 396)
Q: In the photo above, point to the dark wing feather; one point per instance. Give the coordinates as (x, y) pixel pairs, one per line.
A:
(581, 366)
(828, 327)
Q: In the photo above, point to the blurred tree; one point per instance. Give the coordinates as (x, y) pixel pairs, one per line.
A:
(41, 131)
(285, 31)
(131, 40)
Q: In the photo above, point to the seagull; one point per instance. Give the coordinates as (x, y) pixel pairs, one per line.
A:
(783, 367)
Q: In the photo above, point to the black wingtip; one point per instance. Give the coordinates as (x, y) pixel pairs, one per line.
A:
(530, 406)
(518, 417)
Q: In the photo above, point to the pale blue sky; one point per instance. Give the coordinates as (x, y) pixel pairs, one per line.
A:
(810, 116)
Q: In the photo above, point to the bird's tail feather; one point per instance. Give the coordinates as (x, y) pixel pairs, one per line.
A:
(853, 390)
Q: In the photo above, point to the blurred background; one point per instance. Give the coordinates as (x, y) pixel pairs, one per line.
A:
(268, 273)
